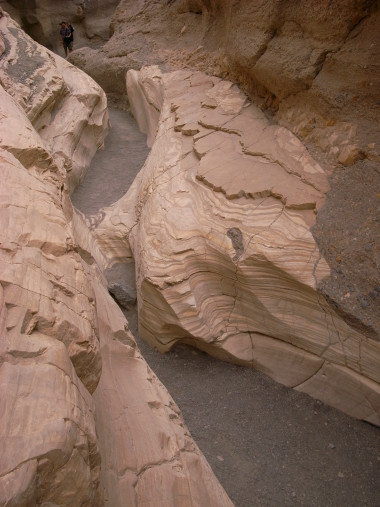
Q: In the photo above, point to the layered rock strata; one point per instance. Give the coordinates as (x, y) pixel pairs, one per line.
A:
(315, 65)
(50, 358)
(64, 105)
(148, 454)
(218, 222)
(58, 324)
(314, 68)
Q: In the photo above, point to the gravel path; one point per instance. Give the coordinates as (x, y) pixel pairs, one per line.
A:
(267, 444)
(113, 169)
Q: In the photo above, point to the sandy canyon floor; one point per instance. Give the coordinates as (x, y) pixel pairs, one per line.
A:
(267, 444)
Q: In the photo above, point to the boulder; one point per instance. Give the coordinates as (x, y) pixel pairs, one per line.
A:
(218, 221)
(124, 295)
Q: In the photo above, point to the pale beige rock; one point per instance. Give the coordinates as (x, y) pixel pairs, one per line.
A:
(148, 455)
(219, 226)
(41, 18)
(50, 360)
(348, 155)
(66, 107)
(48, 348)
(315, 65)
(54, 309)
(146, 103)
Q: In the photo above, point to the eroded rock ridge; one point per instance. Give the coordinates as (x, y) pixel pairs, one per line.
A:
(63, 338)
(218, 222)
(314, 69)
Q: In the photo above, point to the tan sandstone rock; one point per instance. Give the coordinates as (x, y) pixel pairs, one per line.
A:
(50, 359)
(66, 107)
(41, 20)
(309, 62)
(218, 221)
(59, 446)
(313, 67)
(49, 344)
(148, 454)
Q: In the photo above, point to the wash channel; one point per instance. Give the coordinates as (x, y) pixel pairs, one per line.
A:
(267, 444)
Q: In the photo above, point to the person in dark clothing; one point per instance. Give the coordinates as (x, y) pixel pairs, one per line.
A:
(71, 28)
(66, 37)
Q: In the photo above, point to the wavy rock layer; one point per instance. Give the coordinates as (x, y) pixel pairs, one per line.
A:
(58, 324)
(148, 455)
(219, 224)
(50, 358)
(314, 67)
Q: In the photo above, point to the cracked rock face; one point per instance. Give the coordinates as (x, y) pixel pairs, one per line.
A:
(219, 221)
(50, 358)
(148, 454)
(84, 421)
(313, 64)
(314, 68)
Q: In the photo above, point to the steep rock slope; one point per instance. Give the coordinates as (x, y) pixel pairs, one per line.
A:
(50, 359)
(218, 222)
(59, 445)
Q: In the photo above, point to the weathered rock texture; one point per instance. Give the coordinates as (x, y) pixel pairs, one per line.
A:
(218, 222)
(65, 107)
(58, 323)
(314, 66)
(50, 359)
(41, 20)
(148, 455)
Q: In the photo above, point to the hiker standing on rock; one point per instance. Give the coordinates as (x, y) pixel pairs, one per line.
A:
(66, 37)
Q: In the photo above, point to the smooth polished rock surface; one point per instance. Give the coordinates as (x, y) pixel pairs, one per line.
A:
(218, 221)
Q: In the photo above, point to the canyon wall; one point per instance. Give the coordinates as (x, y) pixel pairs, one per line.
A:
(314, 70)
(83, 419)
(315, 65)
(311, 67)
(41, 20)
(218, 222)
(232, 224)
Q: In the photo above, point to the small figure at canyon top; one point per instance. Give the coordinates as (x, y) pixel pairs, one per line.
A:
(66, 37)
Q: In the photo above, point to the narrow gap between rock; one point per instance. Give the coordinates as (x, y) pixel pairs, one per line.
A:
(265, 443)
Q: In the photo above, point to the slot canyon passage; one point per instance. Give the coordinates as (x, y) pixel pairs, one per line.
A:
(247, 230)
(267, 444)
